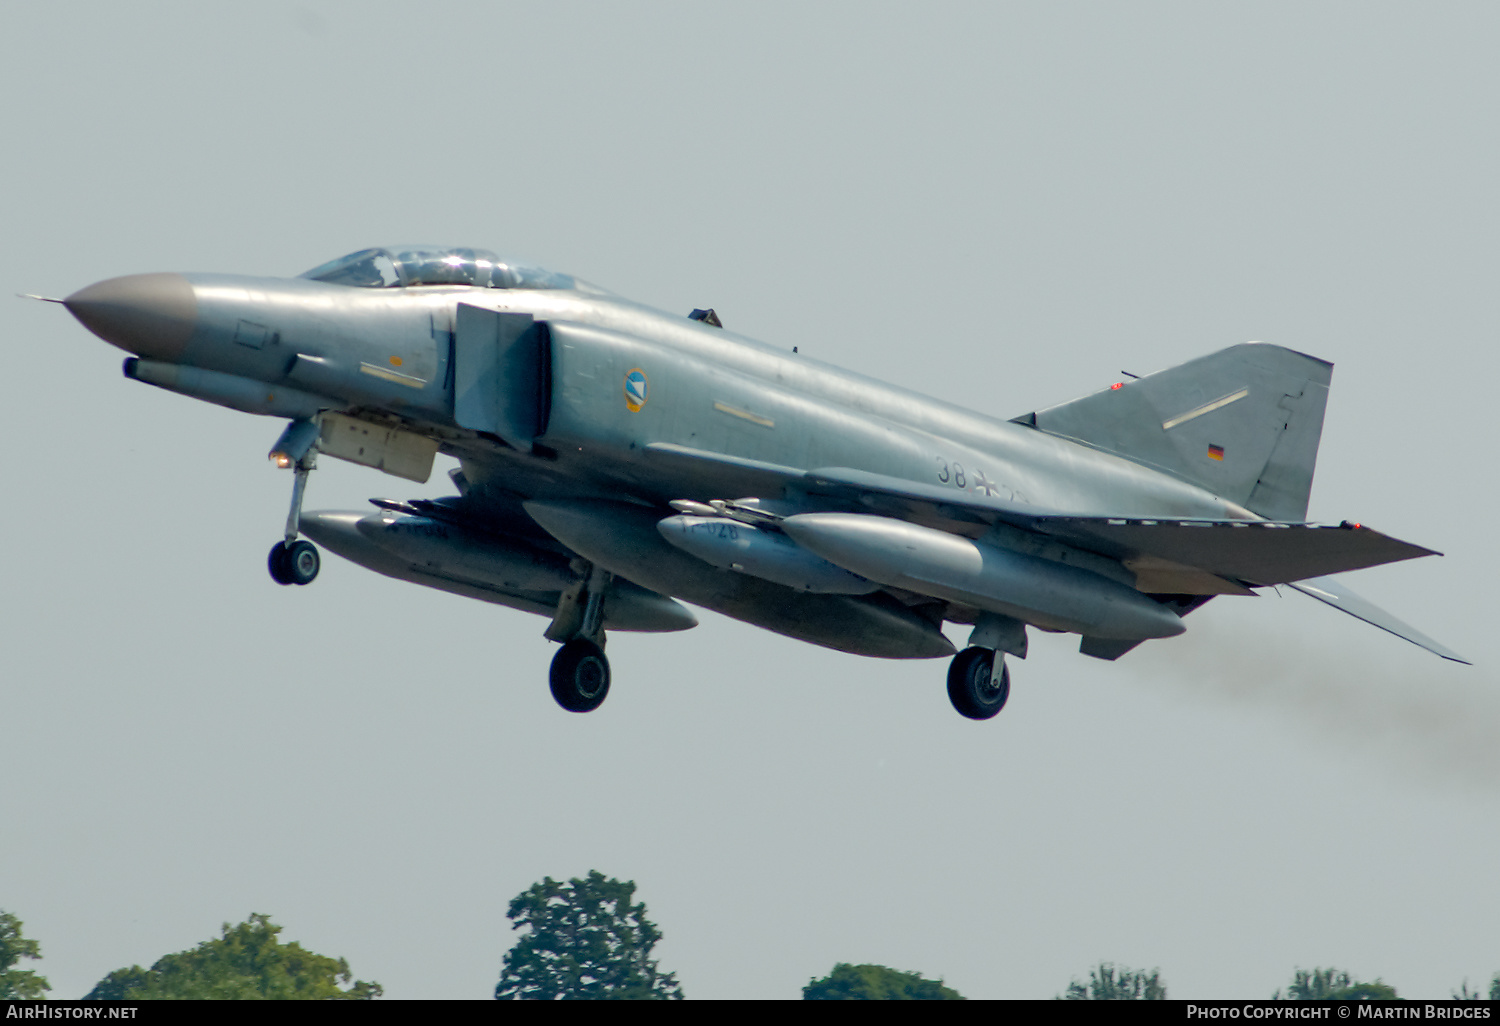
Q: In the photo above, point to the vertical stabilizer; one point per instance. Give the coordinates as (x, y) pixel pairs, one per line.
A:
(1243, 422)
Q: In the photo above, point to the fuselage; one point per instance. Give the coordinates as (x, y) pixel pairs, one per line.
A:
(392, 351)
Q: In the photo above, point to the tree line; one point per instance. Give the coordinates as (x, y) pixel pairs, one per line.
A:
(584, 939)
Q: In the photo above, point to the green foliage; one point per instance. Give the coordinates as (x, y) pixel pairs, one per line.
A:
(1465, 994)
(18, 984)
(1333, 985)
(1110, 983)
(247, 963)
(584, 940)
(876, 983)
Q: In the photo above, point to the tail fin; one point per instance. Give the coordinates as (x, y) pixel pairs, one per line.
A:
(1243, 422)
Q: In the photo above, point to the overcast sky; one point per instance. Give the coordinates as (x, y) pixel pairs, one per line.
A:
(1000, 204)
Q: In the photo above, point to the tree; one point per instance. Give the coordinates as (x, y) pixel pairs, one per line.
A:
(1110, 983)
(1333, 985)
(584, 939)
(248, 962)
(876, 983)
(1465, 994)
(18, 984)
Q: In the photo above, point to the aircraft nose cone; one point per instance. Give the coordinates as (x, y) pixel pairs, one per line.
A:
(151, 315)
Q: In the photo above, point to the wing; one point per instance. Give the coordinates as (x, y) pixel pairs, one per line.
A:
(1175, 552)
(1256, 552)
(1168, 556)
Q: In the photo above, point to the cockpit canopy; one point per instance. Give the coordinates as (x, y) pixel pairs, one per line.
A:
(404, 266)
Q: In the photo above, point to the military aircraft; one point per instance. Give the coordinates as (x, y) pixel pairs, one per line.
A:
(614, 458)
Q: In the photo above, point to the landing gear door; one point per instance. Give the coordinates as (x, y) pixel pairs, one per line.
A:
(500, 379)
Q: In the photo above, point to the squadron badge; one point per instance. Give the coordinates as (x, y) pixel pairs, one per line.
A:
(635, 390)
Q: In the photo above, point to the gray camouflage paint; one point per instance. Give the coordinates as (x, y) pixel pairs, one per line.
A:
(629, 408)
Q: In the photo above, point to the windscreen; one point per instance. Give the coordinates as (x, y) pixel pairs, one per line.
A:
(406, 266)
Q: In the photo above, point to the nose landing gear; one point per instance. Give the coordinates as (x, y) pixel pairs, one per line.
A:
(294, 564)
(292, 561)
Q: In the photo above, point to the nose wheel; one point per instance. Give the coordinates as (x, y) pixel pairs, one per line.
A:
(292, 561)
(977, 687)
(294, 564)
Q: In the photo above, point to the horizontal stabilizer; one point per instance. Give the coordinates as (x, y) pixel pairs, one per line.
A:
(1337, 595)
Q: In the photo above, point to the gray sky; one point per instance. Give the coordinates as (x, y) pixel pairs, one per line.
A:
(1000, 204)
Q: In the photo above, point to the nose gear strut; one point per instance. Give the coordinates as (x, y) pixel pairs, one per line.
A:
(292, 561)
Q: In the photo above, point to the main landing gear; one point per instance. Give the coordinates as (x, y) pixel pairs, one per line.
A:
(978, 682)
(292, 561)
(580, 670)
(978, 679)
(580, 676)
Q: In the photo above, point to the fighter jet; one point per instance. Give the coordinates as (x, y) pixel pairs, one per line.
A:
(614, 459)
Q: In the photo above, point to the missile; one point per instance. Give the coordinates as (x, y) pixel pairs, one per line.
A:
(769, 555)
(1038, 591)
(506, 571)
